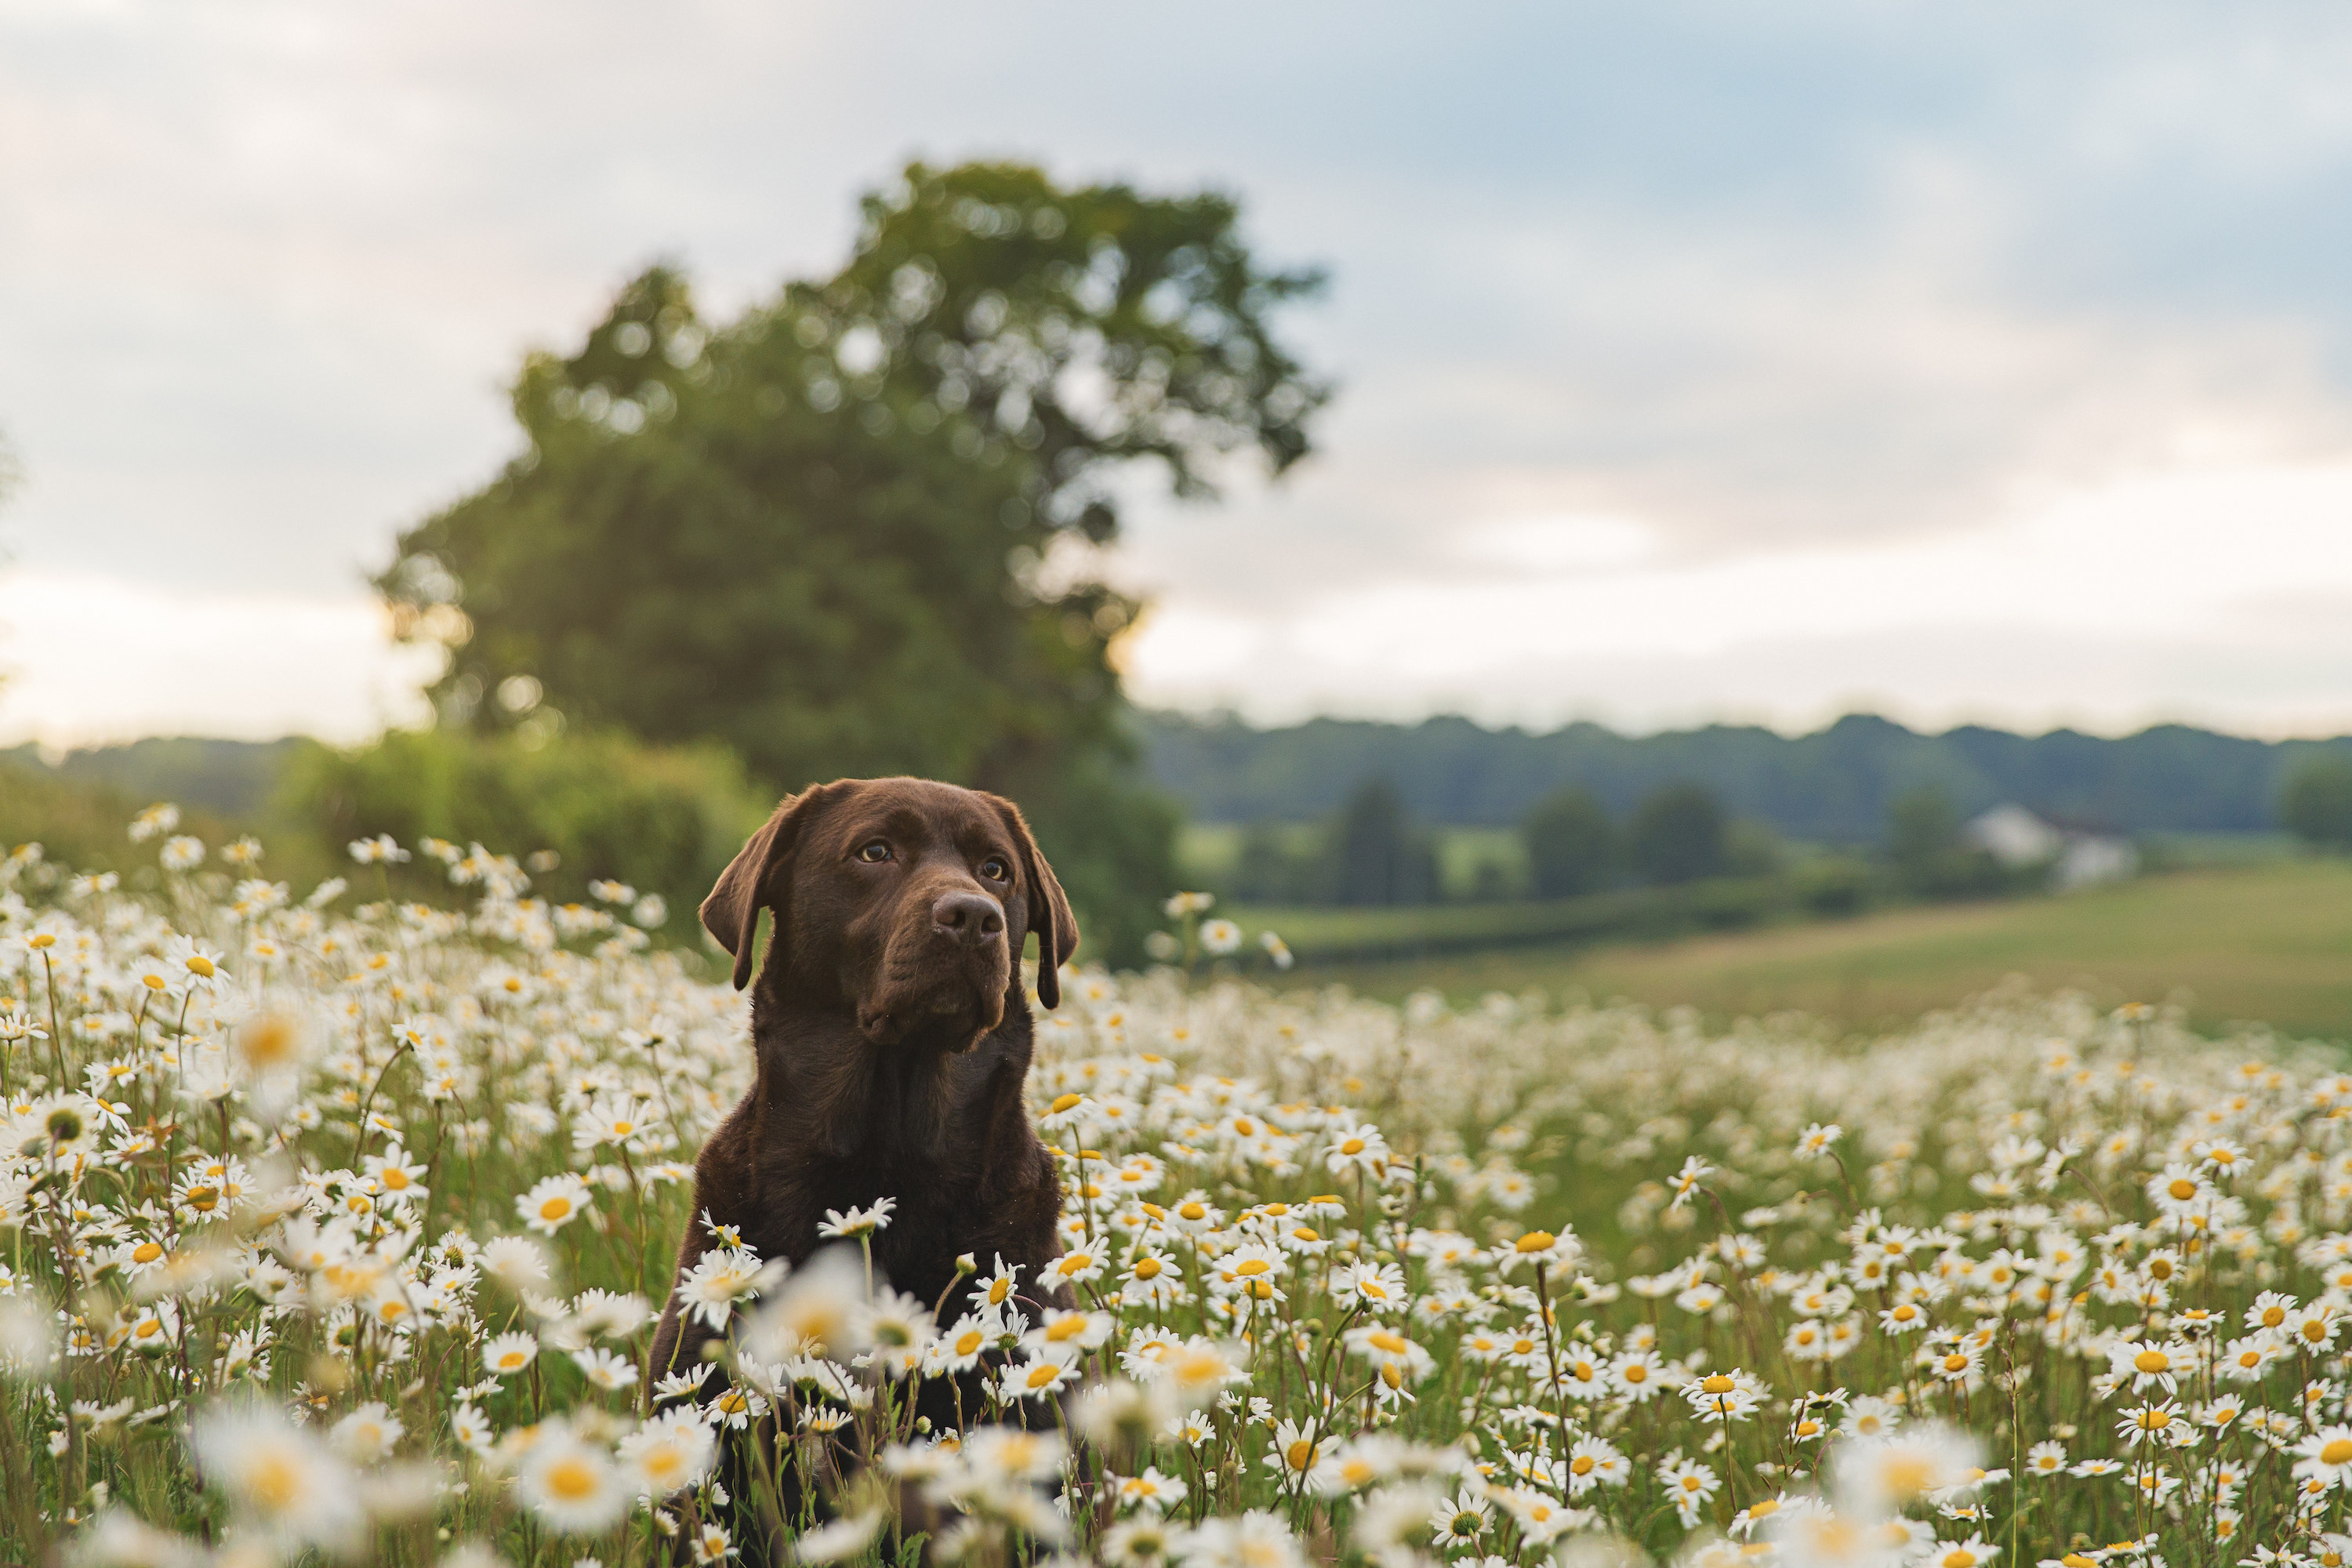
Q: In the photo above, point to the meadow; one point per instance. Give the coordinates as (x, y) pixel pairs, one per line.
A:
(334, 1228)
(2267, 942)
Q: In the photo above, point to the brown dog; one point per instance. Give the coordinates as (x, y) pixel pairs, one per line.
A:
(892, 1034)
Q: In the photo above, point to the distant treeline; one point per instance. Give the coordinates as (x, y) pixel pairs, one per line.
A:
(1832, 787)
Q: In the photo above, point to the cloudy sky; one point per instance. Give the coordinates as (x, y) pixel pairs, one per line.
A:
(1761, 362)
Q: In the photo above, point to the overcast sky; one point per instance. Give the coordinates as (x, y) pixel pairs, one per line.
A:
(1756, 361)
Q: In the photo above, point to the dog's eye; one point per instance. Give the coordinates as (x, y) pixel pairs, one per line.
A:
(993, 870)
(873, 854)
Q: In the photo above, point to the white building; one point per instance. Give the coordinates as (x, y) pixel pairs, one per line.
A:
(2017, 838)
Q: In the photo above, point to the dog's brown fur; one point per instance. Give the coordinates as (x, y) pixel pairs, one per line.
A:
(892, 1036)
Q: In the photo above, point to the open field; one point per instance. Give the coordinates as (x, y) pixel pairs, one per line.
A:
(2270, 942)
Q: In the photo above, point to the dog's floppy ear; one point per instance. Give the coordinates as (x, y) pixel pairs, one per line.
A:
(731, 912)
(1049, 908)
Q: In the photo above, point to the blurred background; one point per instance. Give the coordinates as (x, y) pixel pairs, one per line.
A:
(1826, 505)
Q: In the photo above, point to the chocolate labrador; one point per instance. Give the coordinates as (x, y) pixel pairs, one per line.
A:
(892, 1036)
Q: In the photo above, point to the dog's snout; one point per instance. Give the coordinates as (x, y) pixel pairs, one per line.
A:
(973, 920)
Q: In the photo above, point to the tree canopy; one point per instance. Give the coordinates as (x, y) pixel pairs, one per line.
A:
(1571, 844)
(844, 532)
(2315, 803)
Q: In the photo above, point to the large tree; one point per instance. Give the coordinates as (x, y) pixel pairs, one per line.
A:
(844, 533)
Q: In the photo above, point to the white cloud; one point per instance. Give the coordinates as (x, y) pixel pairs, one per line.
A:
(86, 659)
(2222, 591)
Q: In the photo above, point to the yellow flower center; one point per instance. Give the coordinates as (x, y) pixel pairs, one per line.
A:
(274, 1482)
(146, 1252)
(1906, 1476)
(572, 1479)
(2338, 1452)
(2182, 1189)
(555, 1209)
(2152, 1361)
(1299, 1456)
(1535, 1241)
(1718, 1383)
(1065, 1103)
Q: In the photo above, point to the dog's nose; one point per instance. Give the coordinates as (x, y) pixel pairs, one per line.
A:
(972, 919)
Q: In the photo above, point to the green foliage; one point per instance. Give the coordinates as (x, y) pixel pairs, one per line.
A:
(829, 534)
(1922, 827)
(1927, 856)
(1832, 885)
(1571, 844)
(1377, 856)
(1094, 325)
(1677, 834)
(662, 820)
(2316, 804)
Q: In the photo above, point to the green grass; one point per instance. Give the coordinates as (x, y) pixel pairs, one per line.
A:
(1323, 934)
(2269, 942)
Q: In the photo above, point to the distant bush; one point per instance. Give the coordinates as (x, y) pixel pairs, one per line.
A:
(80, 823)
(1378, 855)
(663, 820)
(1930, 858)
(1833, 885)
(1678, 835)
(2316, 804)
(1572, 844)
(85, 822)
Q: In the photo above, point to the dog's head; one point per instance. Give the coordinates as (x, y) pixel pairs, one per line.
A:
(905, 901)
